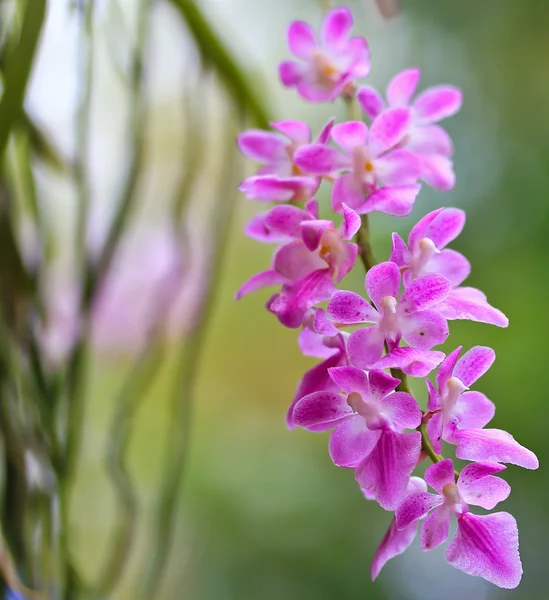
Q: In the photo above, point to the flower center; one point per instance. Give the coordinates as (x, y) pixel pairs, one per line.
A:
(451, 493)
(454, 389)
(296, 170)
(326, 72)
(389, 323)
(422, 255)
(368, 166)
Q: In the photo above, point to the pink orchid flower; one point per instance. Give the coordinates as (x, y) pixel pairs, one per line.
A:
(485, 546)
(368, 419)
(458, 416)
(426, 252)
(413, 318)
(280, 179)
(425, 138)
(327, 68)
(367, 161)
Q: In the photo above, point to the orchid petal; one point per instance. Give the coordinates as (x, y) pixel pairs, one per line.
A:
(437, 103)
(402, 87)
(403, 410)
(478, 486)
(473, 364)
(336, 27)
(416, 506)
(365, 346)
(349, 308)
(447, 368)
(440, 474)
(259, 281)
(370, 101)
(383, 280)
(471, 304)
(388, 129)
(397, 201)
(424, 292)
(351, 134)
(321, 409)
(425, 329)
(414, 362)
(320, 159)
(301, 39)
(351, 442)
(435, 528)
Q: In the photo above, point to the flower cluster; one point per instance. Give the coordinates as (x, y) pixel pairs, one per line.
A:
(360, 390)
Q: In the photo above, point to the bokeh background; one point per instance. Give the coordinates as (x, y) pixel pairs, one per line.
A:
(263, 513)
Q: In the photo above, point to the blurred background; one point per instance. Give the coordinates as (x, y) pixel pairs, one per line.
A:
(262, 512)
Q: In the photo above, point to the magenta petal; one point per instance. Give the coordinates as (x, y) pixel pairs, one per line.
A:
(446, 225)
(419, 230)
(351, 379)
(402, 409)
(487, 546)
(386, 471)
(473, 364)
(424, 292)
(336, 27)
(365, 346)
(325, 133)
(437, 103)
(440, 474)
(349, 308)
(321, 409)
(323, 325)
(425, 329)
(493, 445)
(270, 188)
(351, 134)
(311, 232)
(435, 528)
(400, 251)
(438, 172)
(433, 402)
(258, 230)
(383, 280)
(285, 220)
(402, 87)
(478, 486)
(312, 344)
(447, 368)
(414, 362)
(435, 428)
(429, 139)
(474, 410)
(351, 222)
(296, 131)
(348, 190)
(370, 101)
(319, 159)
(416, 506)
(351, 441)
(394, 542)
(259, 281)
(263, 146)
(450, 264)
(388, 129)
(294, 261)
(301, 39)
(397, 201)
(381, 383)
(399, 167)
(471, 304)
(290, 72)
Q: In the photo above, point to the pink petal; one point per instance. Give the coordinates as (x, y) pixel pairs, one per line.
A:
(399, 167)
(319, 92)
(418, 363)
(336, 27)
(435, 528)
(474, 410)
(312, 344)
(435, 429)
(294, 261)
(297, 131)
(440, 474)
(270, 188)
(397, 201)
(349, 308)
(290, 72)
(370, 101)
(351, 442)
(487, 546)
(437, 171)
(429, 139)
(351, 134)
(394, 542)
(399, 254)
(351, 379)
(419, 230)
(445, 226)
(311, 208)
(450, 264)
(321, 409)
(258, 230)
(402, 87)
(323, 325)
(357, 53)
(312, 231)
(424, 292)
(425, 329)
(388, 129)
(285, 220)
(402, 409)
(319, 159)
(365, 346)
(383, 280)
(381, 384)
(433, 402)
(471, 304)
(492, 445)
(447, 368)
(301, 39)
(351, 222)
(325, 133)
(478, 486)
(415, 507)
(386, 471)
(263, 146)
(437, 103)
(348, 190)
(259, 281)
(473, 364)
(293, 301)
